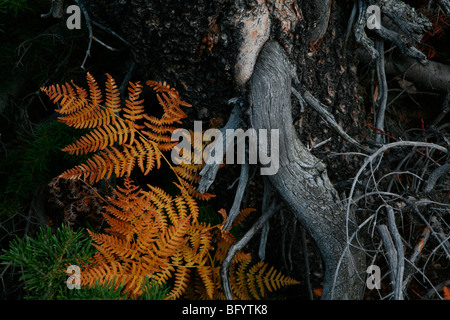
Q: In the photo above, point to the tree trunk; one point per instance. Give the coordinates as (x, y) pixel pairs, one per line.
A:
(302, 180)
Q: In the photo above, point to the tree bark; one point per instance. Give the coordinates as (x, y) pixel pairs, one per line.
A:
(302, 180)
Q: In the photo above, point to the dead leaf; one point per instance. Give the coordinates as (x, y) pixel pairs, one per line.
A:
(318, 292)
(446, 293)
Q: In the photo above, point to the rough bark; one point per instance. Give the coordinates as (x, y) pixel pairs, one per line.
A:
(302, 181)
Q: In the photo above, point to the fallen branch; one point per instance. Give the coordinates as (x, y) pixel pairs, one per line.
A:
(401, 43)
(400, 266)
(434, 177)
(433, 75)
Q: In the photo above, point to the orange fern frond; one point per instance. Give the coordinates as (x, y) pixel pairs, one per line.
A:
(151, 233)
(112, 95)
(94, 91)
(140, 241)
(206, 274)
(120, 137)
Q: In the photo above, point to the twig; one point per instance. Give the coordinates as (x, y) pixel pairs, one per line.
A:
(283, 239)
(56, 9)
(433, 232)
(265, 228)
(400, 267)
(351, 20)
(320, 144)
(300, 99)
(95, 23)
(263, 241)
(391, 252)
(402, 43)
(235, 247)
(328, 117)
(347, 250)
(435, 289)
(234, 211)
(50, 12)
(89, 26)
(89, 23)
(409, 273)
(104, 44)
(291, 243)
(209, 171)
(445, 110)
(434, 177)
(444, 237)
(307, 269)
(369, 160)
(381, 151)
(383, 89)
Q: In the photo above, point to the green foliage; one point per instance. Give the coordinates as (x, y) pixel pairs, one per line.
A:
(153, 291)
(13, 6)
(107, 291)
(44, 259)
(150, 291)
(35, 161)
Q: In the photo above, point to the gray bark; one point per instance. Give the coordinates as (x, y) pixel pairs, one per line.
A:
(302, 181)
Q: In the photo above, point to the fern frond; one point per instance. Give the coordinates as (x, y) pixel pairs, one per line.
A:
(134, 108)
(181, 283)
(112, 95)
(94, 91)
(206, 274)
(69, 100)
(124, 250)
(244, 213)
(114, 129)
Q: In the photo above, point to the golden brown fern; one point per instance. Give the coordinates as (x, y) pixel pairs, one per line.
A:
(147, 237)
(120, 136)
(247, 280)
(151, 233)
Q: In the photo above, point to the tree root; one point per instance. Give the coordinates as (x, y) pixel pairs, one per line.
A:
(302, 181)
(411, 24)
